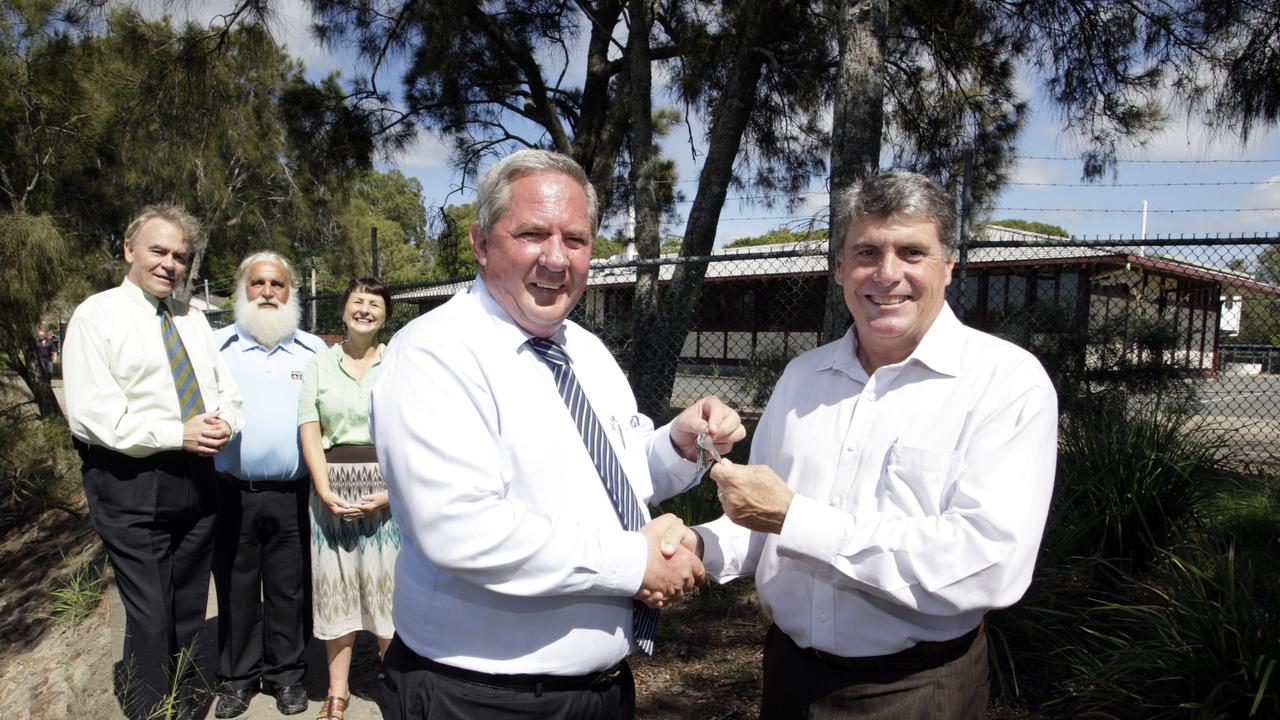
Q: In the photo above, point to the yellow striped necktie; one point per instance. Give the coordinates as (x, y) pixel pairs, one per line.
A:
(184, 376)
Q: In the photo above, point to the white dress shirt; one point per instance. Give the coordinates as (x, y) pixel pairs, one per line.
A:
(921, 491)
(513, 560)
(118, 386)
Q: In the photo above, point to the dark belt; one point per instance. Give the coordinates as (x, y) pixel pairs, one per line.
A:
(537, 684)
(264, 485)
(351, 454)
(921, 656)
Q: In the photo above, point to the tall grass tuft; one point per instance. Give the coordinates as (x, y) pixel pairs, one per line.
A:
(1200, 639)
(1129, 479)
(75, 599)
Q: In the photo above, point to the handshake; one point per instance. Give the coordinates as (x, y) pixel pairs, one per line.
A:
(674, 565)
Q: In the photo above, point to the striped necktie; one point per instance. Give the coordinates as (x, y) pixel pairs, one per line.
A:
(644, 619)
(184, 376)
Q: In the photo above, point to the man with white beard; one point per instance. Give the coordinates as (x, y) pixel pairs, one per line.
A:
(260, 559)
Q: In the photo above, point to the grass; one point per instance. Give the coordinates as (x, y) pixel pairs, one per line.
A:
(77, 597)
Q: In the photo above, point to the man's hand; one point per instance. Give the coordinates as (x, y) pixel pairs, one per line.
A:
(672, 567)
(205, 434)
(711, 416)
(753, 496)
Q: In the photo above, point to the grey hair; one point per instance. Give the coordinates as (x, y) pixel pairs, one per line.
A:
(174, 214)
(494, 191)
(242, 272)
(902, 194)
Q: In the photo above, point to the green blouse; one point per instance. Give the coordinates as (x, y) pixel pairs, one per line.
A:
(334, 398)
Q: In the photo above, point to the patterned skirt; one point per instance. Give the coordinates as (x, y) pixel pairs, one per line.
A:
(352, 561)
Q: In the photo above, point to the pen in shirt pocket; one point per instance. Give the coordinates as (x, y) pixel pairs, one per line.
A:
(617, 428)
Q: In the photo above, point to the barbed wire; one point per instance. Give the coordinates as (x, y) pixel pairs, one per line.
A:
(1152, 161)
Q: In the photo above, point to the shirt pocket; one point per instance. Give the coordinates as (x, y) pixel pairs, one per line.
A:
(917, 482)
(629, 436)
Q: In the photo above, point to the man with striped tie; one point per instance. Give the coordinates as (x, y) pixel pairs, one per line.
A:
(520, 474)
(150, 403)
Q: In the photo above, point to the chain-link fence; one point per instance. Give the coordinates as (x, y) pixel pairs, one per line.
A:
(1197, 312)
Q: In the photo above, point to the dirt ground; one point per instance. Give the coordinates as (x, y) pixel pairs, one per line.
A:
(707, 663)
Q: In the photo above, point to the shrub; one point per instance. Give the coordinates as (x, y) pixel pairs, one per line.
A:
(38, 468)
(1200, 639)
(1128, 479)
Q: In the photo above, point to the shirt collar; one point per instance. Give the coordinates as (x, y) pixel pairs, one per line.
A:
(938, 349)
(510, 334)
(142, 297)
(290, 345)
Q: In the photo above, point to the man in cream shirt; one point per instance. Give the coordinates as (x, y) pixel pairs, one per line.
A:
(899, 483)
(150, 403)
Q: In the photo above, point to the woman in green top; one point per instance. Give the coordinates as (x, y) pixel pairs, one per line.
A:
(354, 540)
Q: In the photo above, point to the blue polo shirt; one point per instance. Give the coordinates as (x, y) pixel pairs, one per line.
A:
(270, 380)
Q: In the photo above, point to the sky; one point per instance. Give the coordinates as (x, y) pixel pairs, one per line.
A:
(1193, 183)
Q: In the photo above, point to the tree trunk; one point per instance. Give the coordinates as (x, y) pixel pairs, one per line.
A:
(857, 122)
(644, 305)
(653, 372)
(27, 367)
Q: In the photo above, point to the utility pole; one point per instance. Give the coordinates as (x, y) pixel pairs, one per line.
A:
(373, 242)
(966, 205)
(313, 294)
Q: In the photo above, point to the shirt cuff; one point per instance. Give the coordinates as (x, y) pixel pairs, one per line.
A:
(623, 558)
(713, 560)
(171, 438)
(810, 529)
(665, 458)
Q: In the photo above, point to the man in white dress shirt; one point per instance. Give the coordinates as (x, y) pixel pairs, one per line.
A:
(898, 484)
(150, 403)
(526, 553)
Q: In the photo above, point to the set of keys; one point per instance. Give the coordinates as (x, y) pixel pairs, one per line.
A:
(706, 449)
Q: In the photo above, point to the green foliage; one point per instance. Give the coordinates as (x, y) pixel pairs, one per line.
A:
(1129, 479)
(1033, 226)
(605, 247)
(77, 596)
(391, 203)
(1200, 639)
(39, 468)
(1267, 265)
(778, 236)
(34, 255)
(451, 240)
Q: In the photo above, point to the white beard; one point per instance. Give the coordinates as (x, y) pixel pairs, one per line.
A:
(268, 327)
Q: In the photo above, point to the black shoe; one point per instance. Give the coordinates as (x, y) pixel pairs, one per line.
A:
(291, 699)
(233, 702)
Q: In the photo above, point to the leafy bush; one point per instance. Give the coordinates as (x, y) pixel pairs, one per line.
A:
(1128, 479)
(1200, 639)
(38, 468)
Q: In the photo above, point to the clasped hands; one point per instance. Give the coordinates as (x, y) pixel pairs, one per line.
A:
(205, 434)
(371, 504)
(673, 566)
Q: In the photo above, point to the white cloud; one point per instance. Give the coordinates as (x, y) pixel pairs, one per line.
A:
(425, 153)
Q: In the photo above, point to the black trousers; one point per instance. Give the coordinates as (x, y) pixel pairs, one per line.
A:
(799, 684)
(417, 689)
(261, 569)
(156, 518)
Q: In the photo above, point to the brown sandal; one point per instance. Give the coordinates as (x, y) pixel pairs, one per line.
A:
(334, 708)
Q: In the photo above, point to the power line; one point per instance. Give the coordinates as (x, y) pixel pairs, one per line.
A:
(1127, 160)
(1166, 184)
(1111, 210)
